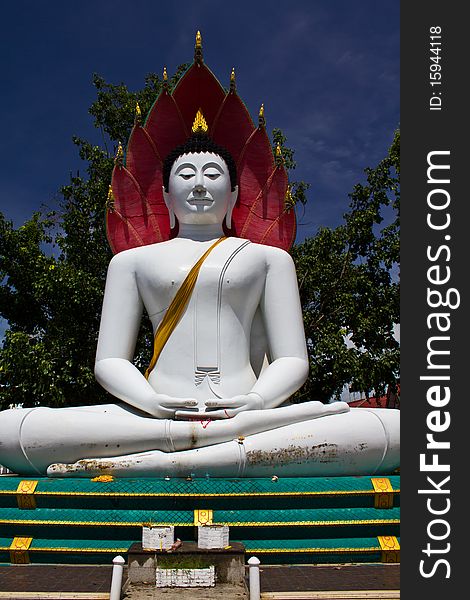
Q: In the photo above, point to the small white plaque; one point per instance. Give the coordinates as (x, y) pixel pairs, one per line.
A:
(158, 538)
(185, 577)
(212, 536)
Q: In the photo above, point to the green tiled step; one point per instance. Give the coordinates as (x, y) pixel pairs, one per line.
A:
(65, 551)
(233, 518)
(254, 524)
(296, 492)
(269, 551)
(296, 520)
(340, 550)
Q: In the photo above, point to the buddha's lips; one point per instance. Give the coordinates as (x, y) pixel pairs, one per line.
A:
(200, 201)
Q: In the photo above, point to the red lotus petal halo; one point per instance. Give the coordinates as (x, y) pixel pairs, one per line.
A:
(136, 214)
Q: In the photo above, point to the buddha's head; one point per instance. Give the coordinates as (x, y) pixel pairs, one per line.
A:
(200, 183)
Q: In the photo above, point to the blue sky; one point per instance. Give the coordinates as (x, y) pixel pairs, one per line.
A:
(327, 72)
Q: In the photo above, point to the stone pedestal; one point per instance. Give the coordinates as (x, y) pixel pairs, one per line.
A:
(229, 563)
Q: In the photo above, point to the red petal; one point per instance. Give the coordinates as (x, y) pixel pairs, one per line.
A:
(143, 161)
(281, 232)
(165, 125)
(198, 89)
(134, 221)
(260, 214)
(233, 125)
(255, 168)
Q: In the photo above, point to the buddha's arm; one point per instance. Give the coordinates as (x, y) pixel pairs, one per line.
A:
(282, 314)
(120, 322)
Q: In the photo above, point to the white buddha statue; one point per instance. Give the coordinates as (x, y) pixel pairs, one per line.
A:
(215, 400)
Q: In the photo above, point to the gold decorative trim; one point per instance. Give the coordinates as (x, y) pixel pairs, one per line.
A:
(390, 548)
(185, 524)
(204, 495)
(308, 523)
(79, 550)
(203, 517)
(311, 550)
(88, 523)
(19, 554)
(25, 493)
(383, 489)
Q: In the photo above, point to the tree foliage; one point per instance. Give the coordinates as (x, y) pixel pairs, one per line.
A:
(53, 268)
(348, 280)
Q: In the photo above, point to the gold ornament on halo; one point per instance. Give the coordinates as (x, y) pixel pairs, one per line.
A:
(232, 80)
(110, 199)
(138, 114)
(198, 49)
(261, 119)
(289, 201)
(165, 74)
(200, 124)
(119, 158)
(279, 159)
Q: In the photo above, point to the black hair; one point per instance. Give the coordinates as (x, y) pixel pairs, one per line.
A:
(199, 142)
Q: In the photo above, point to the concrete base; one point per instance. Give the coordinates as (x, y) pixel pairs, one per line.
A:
(229, 564)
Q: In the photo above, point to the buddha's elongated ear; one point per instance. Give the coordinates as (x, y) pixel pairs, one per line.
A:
(233, 199)
(171, 214)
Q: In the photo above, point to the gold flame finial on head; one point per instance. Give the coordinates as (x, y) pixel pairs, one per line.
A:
(198, 48)
(200, 124)
(119, 158)
(261, 119)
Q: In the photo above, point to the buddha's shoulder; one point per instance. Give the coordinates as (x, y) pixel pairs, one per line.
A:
(136, 256)
(270, 253)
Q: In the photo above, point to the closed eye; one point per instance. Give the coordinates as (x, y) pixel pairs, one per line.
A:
(186, 176)
(212, 175)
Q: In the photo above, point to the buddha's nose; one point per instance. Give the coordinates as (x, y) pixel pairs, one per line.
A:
(199, 188)
(199, 182)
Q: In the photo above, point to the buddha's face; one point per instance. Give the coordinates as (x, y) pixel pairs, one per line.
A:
(199, 190)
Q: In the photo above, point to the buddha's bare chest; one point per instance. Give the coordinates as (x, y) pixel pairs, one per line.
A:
(233, 278)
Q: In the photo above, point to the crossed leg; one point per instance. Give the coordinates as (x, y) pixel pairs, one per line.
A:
(359, 442)
(34, 438)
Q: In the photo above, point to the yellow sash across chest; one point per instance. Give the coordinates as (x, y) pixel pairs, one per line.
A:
(176, 308)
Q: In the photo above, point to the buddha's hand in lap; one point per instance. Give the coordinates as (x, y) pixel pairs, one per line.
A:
(166, 407)
(226, 408)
